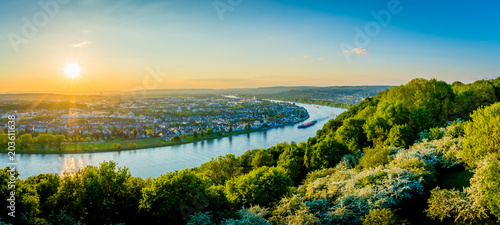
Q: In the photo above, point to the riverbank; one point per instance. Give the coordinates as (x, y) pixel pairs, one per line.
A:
(138, 144)
(154, 162)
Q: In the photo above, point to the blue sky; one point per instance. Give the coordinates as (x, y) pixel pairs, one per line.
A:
(253, 44)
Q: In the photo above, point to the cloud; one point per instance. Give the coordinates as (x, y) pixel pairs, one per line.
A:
(360, 51)
(82, 44)
(321, 58)
(304, 57)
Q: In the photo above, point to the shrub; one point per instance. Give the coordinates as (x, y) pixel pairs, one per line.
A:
(381, 217)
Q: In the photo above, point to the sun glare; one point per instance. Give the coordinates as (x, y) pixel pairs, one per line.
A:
(72, 70)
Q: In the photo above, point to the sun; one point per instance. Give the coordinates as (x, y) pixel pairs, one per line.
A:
(72, 70)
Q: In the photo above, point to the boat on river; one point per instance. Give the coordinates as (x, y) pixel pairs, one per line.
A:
(308, 124)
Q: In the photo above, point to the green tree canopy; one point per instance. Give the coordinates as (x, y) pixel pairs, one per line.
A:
(100, 194)
(263, 186)
(325, 154)
(482, 135)
(174, 196)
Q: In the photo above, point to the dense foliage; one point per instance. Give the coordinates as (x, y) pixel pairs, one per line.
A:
(390, 159)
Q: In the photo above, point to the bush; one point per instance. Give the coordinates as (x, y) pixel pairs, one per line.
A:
(200, 219)
(455, 129)
(452, 204)
(381, 217)
(254, 215)
(435, 133)
(374, 157)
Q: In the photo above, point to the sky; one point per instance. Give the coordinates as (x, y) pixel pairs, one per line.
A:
(164, 44)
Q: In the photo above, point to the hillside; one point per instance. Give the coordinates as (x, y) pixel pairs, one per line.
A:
(422, 153)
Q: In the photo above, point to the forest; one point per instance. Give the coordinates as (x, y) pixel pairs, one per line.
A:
(426, 152)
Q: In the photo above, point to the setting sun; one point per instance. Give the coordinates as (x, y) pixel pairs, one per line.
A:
(72, 70)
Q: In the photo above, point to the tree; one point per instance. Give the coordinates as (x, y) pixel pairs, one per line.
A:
(210, 131)
(436, 96)
(352, 133)
(100, 195)
(324, 154)
(184, 135)
(202, 133)
(175, 138)
(262, 158)
(263, 186)
(472, 96)
(420, 119)
(219, 133)
(400, 136)
(46, 186)
(248, 127)
(376, 129)
(174, 196)
(481, 135)
(221, 169)
(117, 145)
(292, 161)
(388, 114)
(195, 134)
(26, 140)
(230, 130)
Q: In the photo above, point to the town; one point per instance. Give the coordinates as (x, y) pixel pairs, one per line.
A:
(100, 119)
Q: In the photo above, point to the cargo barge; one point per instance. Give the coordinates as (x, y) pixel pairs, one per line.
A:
(308, 124)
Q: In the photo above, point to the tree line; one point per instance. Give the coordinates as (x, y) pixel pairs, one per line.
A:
(376, 163)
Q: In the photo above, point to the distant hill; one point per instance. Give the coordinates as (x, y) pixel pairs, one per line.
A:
(309, 94)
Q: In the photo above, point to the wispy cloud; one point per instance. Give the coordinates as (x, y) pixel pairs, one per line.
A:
(360, 51)
(302, 57)
(321, 58)
(82, 44)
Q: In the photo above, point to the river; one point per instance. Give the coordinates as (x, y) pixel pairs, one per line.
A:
(153, 162)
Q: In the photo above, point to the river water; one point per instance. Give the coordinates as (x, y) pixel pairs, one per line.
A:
(153, 162)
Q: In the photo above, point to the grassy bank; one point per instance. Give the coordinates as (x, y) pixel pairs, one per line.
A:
(123, 145)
